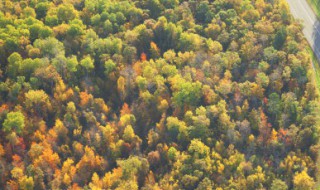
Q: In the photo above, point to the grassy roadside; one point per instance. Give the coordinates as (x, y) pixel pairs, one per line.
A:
(317, 81)
(316, 68)
(315, 5)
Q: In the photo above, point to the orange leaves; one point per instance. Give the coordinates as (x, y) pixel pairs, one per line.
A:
(85, 98)
(3, 108)
(264, 129)
(125, 110)
(16, 160)
(143, 57)
(48, 158)
(137, 67)
(2, 151)
(90, 159)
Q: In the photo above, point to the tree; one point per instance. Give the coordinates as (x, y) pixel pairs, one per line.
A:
(280, 38)
(134, 166)
(177, 129)
(41, 9)
(198, 149)
(302, 181)
(26, 183)
(203, 12)
(109, 67)
(15, 62)
(15, 121)
(155, 8)
(128, 134)
(49, 47)
(187, 93)
(277, 184)
(172, 154)
(274, 104)
(87, 64)
(189, 42)
(66, 12)
(37, 101)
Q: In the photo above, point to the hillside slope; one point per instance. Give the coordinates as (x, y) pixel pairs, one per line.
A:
(155, 94)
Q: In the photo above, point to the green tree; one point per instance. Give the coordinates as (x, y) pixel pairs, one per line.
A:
(15, 63)
(49, 47)
(87, 64)
(66, 12)
(278, 184)
(187, 93)
(280, 38)
(15, 121)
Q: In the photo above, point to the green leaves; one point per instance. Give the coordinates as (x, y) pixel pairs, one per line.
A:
(14, 122)
(187, 93)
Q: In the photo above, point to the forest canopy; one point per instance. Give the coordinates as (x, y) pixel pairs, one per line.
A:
(155, 94)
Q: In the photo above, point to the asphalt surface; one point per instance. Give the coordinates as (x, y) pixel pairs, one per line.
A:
(300, 9)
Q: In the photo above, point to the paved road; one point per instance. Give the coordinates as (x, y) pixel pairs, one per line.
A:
(300, 9)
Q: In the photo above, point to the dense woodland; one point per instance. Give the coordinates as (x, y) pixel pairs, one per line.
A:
(155, 94)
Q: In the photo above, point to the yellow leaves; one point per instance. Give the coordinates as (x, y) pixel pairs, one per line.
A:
(260, 4)
(154, 46)
(61, 92)
(224, 118)
(127, 119)
(255, 179)
(214, 46)
(26, 183)
(38, 100)
(96, 184)
(274, 135)
(155, 51)
(251, 138)
(121, 85)
(48, 159)
(66, 179)
(67, 165)
(60, 129)
(303, 181)
(38, 136)
(163, 106)
(108, 134)
(16, 172)
(220, 167)
(90, 159)
(128, 133)
(264, 27)
(112, 177)
(283, 5)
